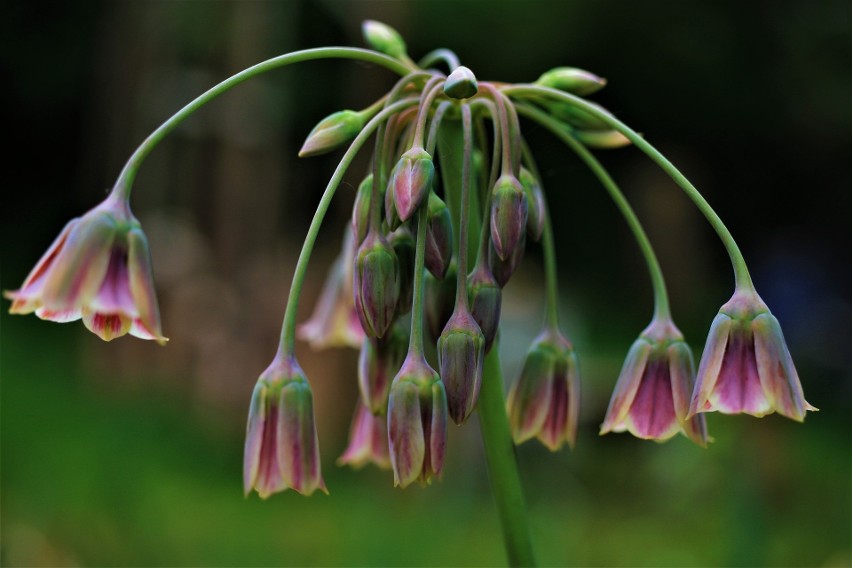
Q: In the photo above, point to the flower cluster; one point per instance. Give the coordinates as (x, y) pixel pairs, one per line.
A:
(439, 226)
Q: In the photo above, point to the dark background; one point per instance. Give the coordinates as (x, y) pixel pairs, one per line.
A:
(130, 454)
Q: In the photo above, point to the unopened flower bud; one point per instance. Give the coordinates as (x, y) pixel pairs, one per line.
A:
(746, 366)
(332, 132)
(281, 449)
(378, 363)
(461, 350)
(545, 401)
(368, 440)
(376, 284)
(439, 300)
(439, 237)
(485, 298)
(461, 84)
(577, 117)
(535, 204)
(411, 181)
(601, 139)
(391, 215)
(403, 245)
(509, 212)
(383, 38)
(572, 80)
(417, 422)
(504, 269)
(361, 209)
(651, 398)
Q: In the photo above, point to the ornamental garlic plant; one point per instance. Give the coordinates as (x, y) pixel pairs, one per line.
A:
(441, 220)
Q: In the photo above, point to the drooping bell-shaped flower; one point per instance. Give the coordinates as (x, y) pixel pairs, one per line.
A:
(97, 269)
(282, 451)
(461, 351)
(417, 422)
(651, 397)
(334, 322)
(545, 401)
(368, 440)
(746, 366)
(376, 284)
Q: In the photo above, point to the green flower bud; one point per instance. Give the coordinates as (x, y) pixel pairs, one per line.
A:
(411, 181)
(383, 38)
(535, 204)
(361, 209)
(439, 237)
(376, 284)
(461, 350)
(572, 80)
(485, 297)
(403, 245)
(461, 84)
(577, 117)
(333, 131)
(509, 212)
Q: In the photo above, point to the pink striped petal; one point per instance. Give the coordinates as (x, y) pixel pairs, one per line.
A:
(738, 387)
(405, 433)
(629, 381)
(652, 415)
(141, 281)
(106, 326)
(255, 433)
(682, 374)
(298, 449)
(368, 440)
(711, 363)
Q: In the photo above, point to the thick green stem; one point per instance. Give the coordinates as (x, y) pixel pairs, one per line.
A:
(288, 328)
(502, 463)
(128, 174)
(661, 297)
(415, 344)
(741, 274)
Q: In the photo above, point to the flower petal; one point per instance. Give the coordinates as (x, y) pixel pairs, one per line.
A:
(254, 436)
(405, 433)
(106, 326)
(652, 414)
(28, 297)
(738, 389)
(80, 266)
(629, 380)
(142, 286)
(778, 375)
(682, 371)
(711, 362)
(298, 449)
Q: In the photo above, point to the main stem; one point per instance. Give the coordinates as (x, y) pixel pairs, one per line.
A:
(502, 464)
(661, 297)
(125, 180)
(741, 274)
(288, 328)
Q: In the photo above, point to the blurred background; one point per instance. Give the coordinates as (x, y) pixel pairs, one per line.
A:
(131, 454)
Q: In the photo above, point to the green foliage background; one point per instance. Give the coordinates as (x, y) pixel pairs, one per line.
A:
(129, 454)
